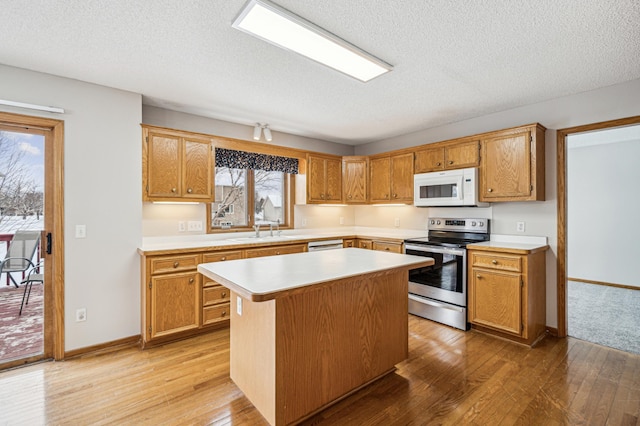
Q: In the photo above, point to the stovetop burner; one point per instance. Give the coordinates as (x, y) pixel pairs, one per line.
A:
(454, 232)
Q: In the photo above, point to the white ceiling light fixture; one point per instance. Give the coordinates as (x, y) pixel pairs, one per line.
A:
(278, 26)
(258, 129)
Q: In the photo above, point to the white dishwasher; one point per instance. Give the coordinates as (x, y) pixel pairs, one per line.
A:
(324, 245)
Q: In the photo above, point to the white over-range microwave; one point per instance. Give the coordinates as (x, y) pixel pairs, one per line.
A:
(447, 188)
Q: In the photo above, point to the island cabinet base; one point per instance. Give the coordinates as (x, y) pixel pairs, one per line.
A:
(299, 353)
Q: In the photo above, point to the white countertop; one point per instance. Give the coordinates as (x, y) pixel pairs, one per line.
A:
(512, 242)
(262, 278)
(229, 239)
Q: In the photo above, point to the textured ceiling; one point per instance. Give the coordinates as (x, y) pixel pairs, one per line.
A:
(452, 60)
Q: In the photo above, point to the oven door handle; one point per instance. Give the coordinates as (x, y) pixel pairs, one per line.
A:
(434, 249)
(435, 304)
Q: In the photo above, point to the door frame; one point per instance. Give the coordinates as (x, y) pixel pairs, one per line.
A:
(53, 132)
(561, 155)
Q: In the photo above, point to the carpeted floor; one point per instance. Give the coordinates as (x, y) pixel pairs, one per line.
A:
(605, 315)
(20, 336)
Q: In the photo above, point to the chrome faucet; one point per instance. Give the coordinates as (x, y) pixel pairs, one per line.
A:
(257, 228)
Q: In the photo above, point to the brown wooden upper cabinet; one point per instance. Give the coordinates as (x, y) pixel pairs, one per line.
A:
(455, 156)
(391, 178)
(354, 179)
(176, 166)
(324, 179)
(512, 167)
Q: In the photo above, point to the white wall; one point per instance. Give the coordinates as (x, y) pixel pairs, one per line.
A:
(102, 179)
(603, 207)
(604, 104)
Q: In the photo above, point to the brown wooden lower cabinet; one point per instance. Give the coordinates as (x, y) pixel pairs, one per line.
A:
(393, 247)
(507, 293)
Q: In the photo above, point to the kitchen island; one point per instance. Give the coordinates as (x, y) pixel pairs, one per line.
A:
(308, 329)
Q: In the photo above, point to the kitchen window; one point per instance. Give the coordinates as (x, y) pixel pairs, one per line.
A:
(246, 196)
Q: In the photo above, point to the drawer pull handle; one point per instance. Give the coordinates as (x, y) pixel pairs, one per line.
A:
(223, 258)
(173, 190)
(438, 163)
(489, 190)
(223, 294)
(386, 248)
(190, 280)
(176, 264)
(478, 276)
(224, 313)
(450, 162)
(189, 190)
(495, 262)
(277, 252)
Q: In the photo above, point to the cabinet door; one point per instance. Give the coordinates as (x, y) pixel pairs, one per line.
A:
(163, 168)
(506, 168)
(315, 179)
(429, 160)
(495, 300)
(197, 173)
(379, 179)
(333, 176)
(462, 155)
(402, 177)
(175, 303)
(354, 172)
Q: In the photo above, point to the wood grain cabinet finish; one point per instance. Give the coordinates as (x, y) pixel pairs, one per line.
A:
(215, 297)
(275, 251)
(393, 247)
(391, 179)
(364, 243)
(350, 242)
(176, 166)
(175, 303)
(448, 157)
(354, 179)
(324, 179)
(507, 294)
(512, 167)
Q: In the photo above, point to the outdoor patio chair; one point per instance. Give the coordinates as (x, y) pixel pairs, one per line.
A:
(34, 276)
(20, 253)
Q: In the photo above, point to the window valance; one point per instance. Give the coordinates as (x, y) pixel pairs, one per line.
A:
(250, 160)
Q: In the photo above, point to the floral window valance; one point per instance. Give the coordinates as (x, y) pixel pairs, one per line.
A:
(249, 160)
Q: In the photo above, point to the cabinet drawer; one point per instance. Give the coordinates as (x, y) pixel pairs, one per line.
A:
(364, 244)
(215, 313)
(164, 264)
(274, 251)
(387, 246)
(221, 256)
(214, 295)
(501, 262)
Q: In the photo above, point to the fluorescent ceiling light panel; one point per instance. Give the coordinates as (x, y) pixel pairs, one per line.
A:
(282, 28)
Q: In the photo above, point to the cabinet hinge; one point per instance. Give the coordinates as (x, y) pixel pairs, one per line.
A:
(149, 285)
(521, 327)
(146, 139)
(530, 138)
(521, 282)
(531, 190)
(149, 330)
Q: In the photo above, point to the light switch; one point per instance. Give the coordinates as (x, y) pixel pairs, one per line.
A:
(81, 231)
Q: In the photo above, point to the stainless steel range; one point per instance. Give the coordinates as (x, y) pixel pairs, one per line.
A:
(439, 292)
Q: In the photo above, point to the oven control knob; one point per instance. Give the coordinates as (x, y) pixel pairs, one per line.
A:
(481, 224)
(438, 223)
(473, 223)
(433, 222)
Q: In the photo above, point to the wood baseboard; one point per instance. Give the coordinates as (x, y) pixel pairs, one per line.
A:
(552, 331)
(580, 280)
(104, 347)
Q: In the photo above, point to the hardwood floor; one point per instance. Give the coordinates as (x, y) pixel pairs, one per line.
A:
(451, 377)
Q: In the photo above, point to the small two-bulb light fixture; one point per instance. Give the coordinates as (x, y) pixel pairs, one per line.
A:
(260, 128)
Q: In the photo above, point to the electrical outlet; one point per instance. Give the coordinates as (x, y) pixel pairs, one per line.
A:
(194, 225)
(520, 226)
(81, 314)
(396, 222)
(81, 231)
(182, 226)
